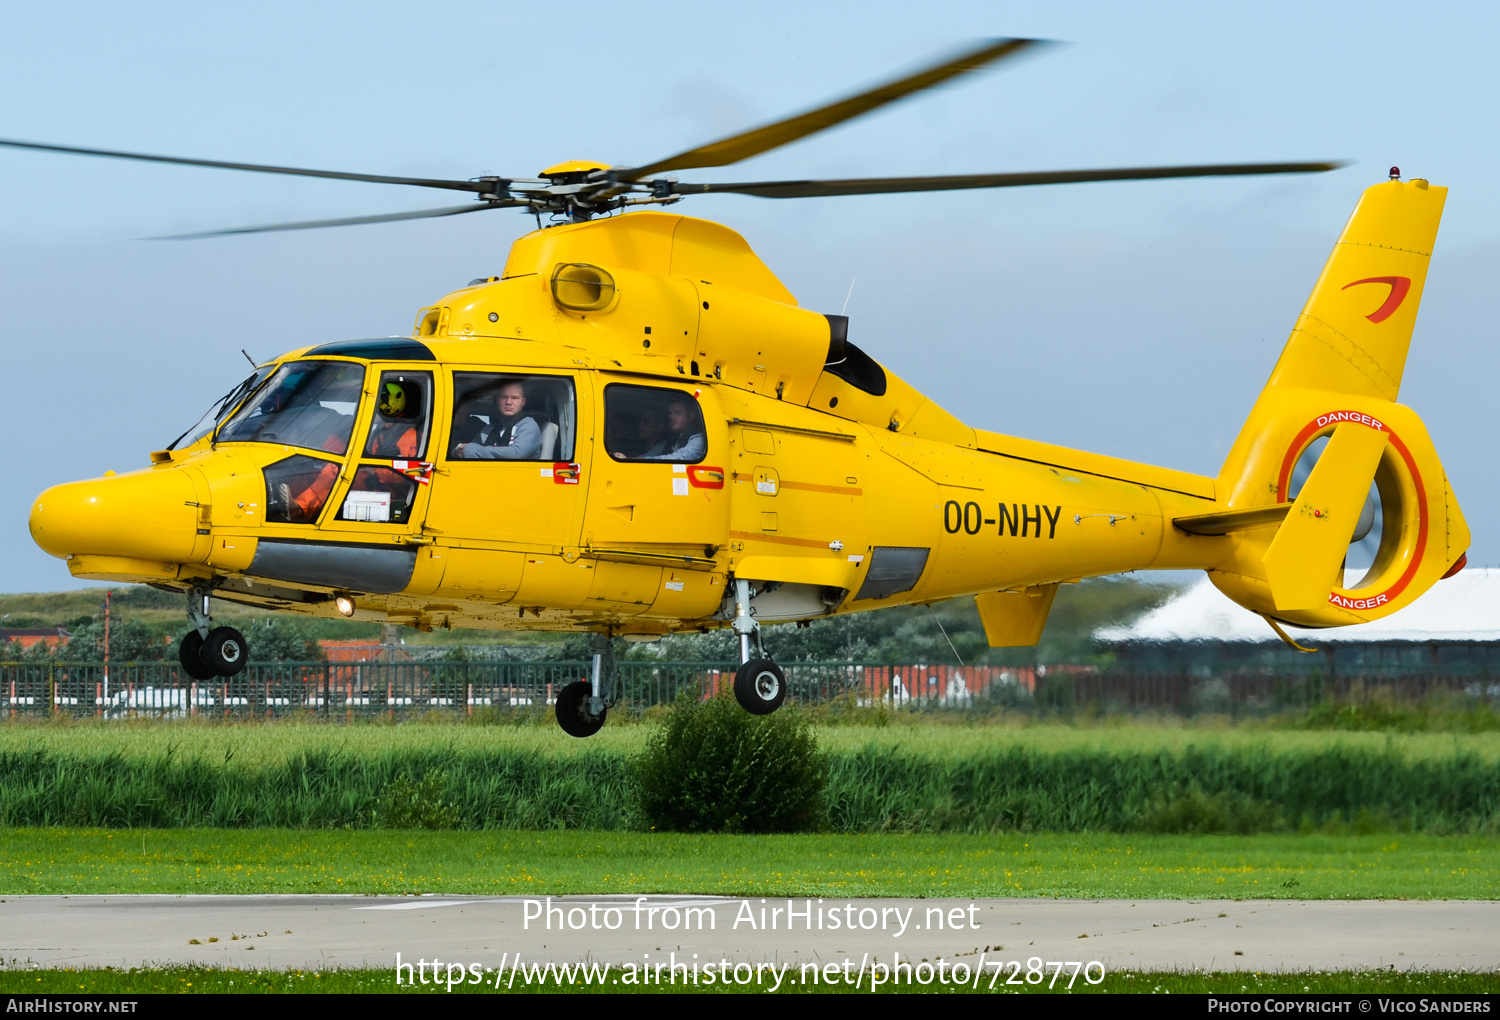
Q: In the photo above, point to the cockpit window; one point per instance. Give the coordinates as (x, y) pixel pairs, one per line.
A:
(221, 408)
(310, 404)
(403, 414)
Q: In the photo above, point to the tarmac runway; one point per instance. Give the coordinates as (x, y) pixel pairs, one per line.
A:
(321, 932)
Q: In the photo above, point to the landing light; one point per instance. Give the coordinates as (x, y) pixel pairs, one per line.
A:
(345, 605)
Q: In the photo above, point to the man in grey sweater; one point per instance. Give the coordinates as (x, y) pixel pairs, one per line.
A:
(510, 435)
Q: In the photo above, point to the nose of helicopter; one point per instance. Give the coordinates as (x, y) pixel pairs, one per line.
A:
(146, 515)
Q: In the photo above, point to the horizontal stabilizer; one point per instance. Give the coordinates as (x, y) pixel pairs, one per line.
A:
(1233, 520)
(1303, 562)
(1014, 619)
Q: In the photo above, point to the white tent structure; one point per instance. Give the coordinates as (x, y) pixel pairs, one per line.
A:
(1464, 609)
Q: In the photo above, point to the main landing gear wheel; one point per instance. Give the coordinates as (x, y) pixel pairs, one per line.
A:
(225, 651)
(573, 710)
(760, 686)
(190, 654)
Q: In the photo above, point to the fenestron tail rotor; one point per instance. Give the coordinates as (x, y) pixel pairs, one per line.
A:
(580, 190)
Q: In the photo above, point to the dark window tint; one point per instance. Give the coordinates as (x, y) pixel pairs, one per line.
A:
(893, 569)
(512, 417)
(650, 423)
(306, 403)
(393, 348)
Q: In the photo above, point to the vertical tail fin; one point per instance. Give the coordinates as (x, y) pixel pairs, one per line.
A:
(1354, 331)
(1341, 372)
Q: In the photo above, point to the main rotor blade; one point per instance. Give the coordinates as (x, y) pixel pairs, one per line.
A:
(421, 182)
(762, 139)
(418, 214)
(886, 185)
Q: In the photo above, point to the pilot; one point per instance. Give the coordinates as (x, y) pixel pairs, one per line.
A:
(685, 440)
(395, 433)
(510, 435)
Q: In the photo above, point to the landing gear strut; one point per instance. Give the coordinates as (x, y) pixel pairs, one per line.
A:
(759, 684)
(583, 705)
(207, 651)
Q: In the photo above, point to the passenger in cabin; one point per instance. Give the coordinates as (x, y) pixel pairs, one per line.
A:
(685, 440)
(650, 429)
(510, 434)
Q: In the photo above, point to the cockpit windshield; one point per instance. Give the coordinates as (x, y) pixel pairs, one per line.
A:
(310, 404)
(220, 408)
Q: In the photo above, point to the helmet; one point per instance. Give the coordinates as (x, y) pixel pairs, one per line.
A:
(398, 400)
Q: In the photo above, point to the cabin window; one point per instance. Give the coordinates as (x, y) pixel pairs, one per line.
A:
(512, 417)
(648, 423)
(310, 404)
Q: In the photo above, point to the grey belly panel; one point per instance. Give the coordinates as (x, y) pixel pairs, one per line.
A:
(377, 569)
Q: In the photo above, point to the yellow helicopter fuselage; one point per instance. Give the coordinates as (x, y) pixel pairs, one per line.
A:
(822, 479)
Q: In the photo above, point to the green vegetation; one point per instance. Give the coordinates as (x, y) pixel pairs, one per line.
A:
(532, 730)
(906, 634)
(212, 981)
(1091, 865)
(898, 635)
(412, 804)
(1431, 715)
(896, 778)
(713, 767)
(145, 625)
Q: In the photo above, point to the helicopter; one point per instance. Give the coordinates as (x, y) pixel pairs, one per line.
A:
(634, 430)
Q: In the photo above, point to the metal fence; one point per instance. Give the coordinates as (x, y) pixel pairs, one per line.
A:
(344, 689)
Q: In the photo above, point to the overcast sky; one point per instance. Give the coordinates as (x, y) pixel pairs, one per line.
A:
(1137, 319)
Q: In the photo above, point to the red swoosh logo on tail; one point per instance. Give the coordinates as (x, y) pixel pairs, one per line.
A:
(1399, 286)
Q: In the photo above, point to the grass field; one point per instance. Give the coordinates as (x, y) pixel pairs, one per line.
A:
(930, 777)
(940, 736)
(200, 980)
(1089, 865)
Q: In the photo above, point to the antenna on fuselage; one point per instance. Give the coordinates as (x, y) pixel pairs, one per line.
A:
(845, 309)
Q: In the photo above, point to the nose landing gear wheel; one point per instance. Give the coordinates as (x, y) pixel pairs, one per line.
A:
(225, 651)
(760, 686)
(190, 654)
(573, 710)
